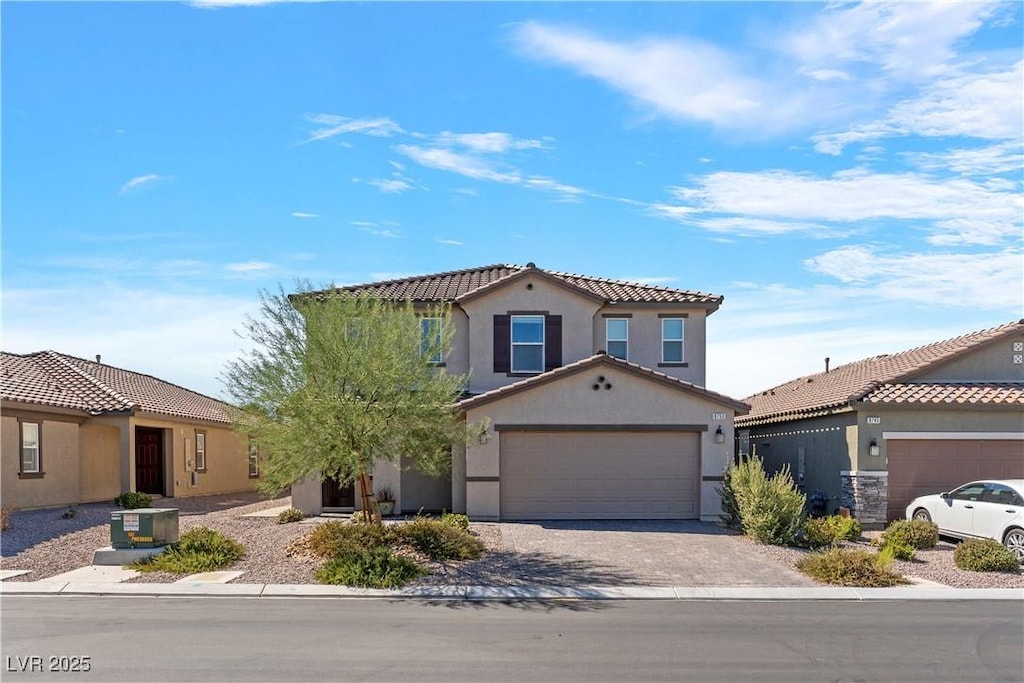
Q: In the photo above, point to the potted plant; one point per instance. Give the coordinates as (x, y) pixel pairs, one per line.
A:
(385, 499)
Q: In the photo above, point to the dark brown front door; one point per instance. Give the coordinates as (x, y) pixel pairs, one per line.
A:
(149, 460)
(338, 495)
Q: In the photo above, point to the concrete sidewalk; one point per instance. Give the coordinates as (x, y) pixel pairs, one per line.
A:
(479, 593)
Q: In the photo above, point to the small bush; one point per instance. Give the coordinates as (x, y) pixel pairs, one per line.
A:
(290, 515)
(199, 549)
(330, 539)
(452, 519)
(917, 533)
(440, 541)
(70, 513)
(842, 567)
(132, 500)
(5, 518)
(384, 493)
(771, 507)
(730, 508)
(373, 568)
(900, 551)
(826, 531)
(361, 517)
(985, 555)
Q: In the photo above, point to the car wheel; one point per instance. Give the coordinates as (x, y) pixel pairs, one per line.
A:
(922, 515)
(1014, 541)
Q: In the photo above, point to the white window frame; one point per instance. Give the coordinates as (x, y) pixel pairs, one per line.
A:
(439, 358)
(200, 451)
(35, 462)
(254, 459)
(681, 340)
(608, 337)
(513, 344)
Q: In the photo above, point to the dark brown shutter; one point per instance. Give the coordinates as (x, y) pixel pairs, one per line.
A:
(552, 342)
(502, 343)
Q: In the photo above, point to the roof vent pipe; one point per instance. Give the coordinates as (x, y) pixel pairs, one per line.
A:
(826, 363)
(97, 358)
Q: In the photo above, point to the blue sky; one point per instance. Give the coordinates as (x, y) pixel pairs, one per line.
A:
(848, 176)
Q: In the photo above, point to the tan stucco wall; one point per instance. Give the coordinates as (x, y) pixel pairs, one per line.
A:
(632, 400)
(227, 458)
(577, 313)
(60, 483)
(101, 462)
(993, 363)
(644, 345)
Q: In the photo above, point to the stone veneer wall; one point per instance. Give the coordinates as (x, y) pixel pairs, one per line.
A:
(866, 494)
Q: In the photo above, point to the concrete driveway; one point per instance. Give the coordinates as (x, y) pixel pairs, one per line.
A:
(648, 553)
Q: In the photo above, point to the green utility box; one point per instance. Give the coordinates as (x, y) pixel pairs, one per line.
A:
(143, 528)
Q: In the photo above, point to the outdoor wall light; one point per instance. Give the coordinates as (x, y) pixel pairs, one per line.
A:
(484, 437)
(719, 435)
(874, 448)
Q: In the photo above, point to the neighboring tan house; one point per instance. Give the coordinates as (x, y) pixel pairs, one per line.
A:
(875, 434)
(593, 390)
(76, 431)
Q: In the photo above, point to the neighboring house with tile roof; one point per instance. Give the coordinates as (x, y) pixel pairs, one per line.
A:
(593, 390)
(878, 432)
(75, 430)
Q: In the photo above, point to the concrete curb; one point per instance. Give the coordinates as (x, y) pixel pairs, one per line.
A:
(504, 593)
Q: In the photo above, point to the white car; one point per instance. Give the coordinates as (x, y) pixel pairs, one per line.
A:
(980, 509)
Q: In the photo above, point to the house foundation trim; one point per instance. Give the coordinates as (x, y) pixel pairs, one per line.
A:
(955, 436)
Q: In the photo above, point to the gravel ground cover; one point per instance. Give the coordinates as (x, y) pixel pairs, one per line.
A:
(46, 544)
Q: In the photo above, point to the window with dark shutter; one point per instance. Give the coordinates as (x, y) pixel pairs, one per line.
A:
(552, 342)
(502, 343)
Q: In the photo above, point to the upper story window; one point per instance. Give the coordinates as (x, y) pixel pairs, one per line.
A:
(200, 451)
(527, 343)
(672, 340)
(617, 337)
(430, 339)
(30, 460)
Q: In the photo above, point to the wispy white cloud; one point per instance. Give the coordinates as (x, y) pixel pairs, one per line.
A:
(956, 209)
(450, 243)
(386, 233)
(332, 125)
(488, 143)
(221, 4)
(390, 185)
(248, 267)
(1005, 157)
(304, 214)
(139, 181)
(466, 164)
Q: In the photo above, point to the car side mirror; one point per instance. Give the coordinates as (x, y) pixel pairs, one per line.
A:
(944, 494)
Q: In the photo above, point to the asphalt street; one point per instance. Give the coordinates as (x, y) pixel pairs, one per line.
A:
(311, 639)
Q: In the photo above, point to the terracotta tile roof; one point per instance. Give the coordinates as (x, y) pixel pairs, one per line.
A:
(827, 392)
(594, 361)
(449, 286)
(974, 393)
(55, 379)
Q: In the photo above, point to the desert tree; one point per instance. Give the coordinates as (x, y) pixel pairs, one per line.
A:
(334, 382)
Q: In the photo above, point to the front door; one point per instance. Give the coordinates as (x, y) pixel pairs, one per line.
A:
(338, 495)
(149, 460)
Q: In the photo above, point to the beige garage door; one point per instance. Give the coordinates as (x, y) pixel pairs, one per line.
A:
(919, 467)
(600, 475)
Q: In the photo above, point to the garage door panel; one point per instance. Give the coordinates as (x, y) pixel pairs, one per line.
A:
(920, 467)
(599, 475)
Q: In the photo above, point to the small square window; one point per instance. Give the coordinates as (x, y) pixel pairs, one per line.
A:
(617, 337)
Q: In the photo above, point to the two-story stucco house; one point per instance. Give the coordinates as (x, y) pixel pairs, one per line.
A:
(593, 390)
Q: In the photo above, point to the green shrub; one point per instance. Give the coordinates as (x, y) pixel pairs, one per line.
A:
(917, 533)
(771, 507)
(132, 500)
(331, 539)
(899, 551)
(199, 549)
(290, 515)
(438, 540)
(985, 555)
(730, 508)
(452, 519)
(842, 567)
(826, 531)
(373, 568)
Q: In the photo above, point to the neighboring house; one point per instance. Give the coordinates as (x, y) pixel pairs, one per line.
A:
(593, 390)
(76, 431)
(874, 434)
